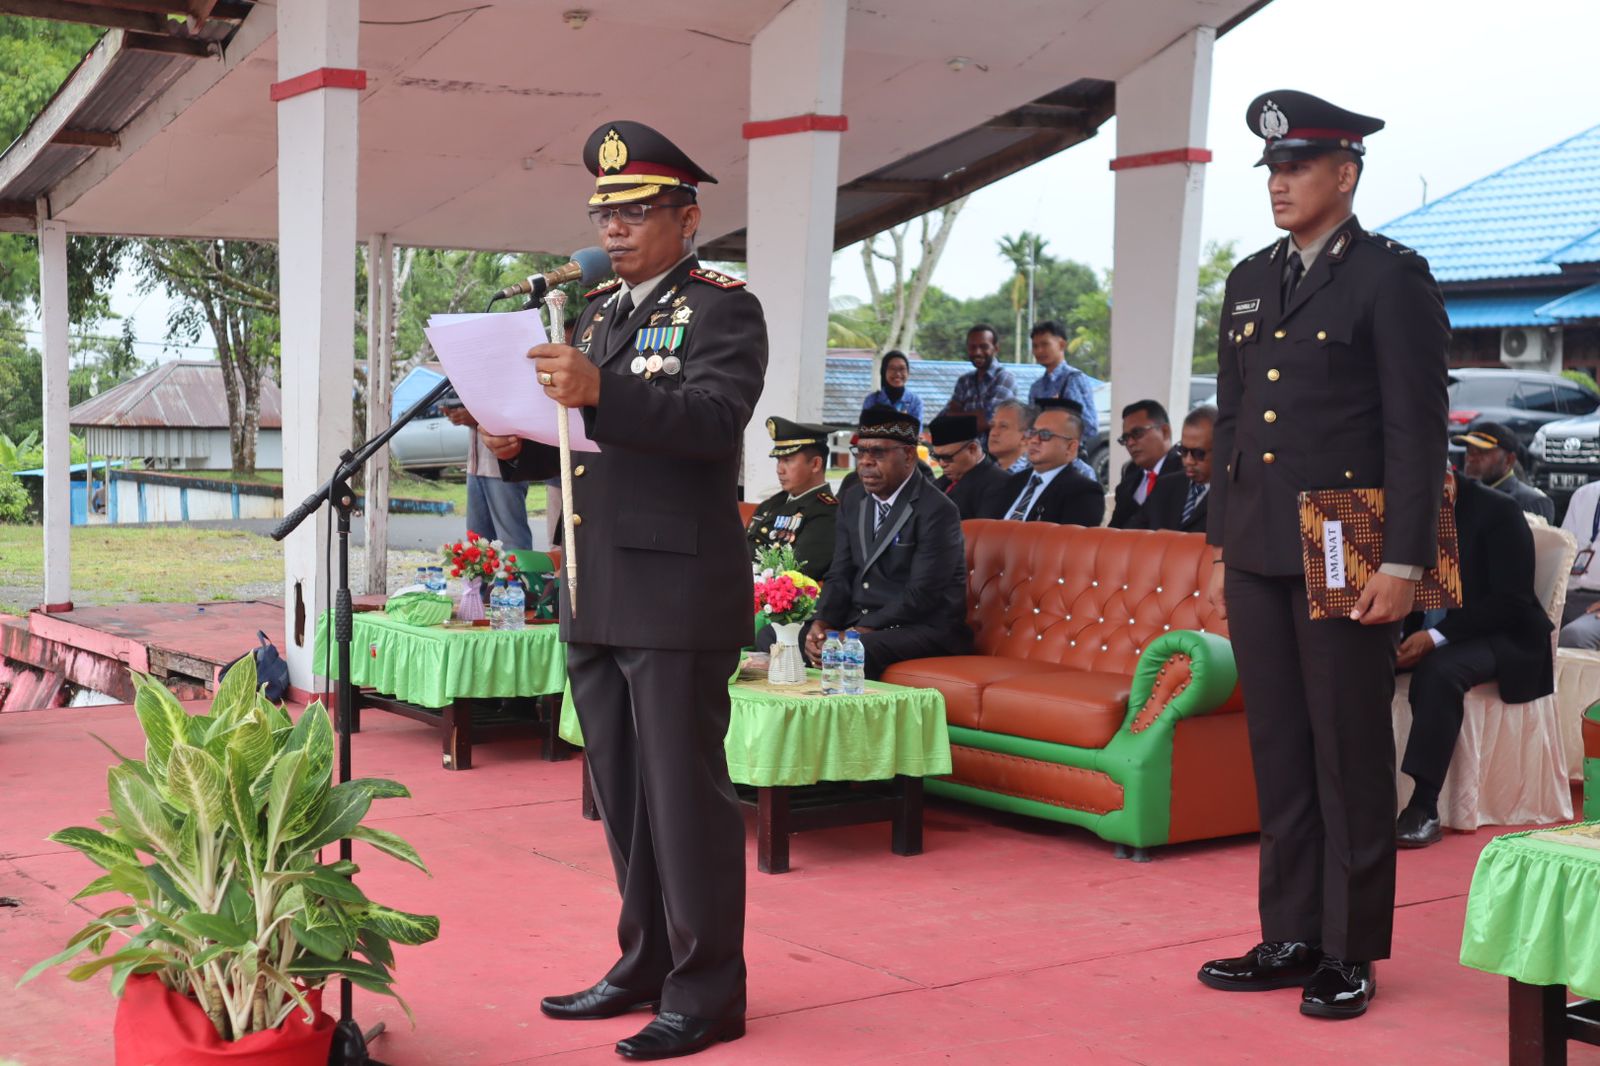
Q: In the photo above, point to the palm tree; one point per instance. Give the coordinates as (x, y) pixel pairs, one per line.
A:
(1025, 252)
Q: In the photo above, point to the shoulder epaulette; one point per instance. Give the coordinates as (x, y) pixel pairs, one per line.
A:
(601, 290)
(1269, 251)
(717, 278)
(828, 498)
(1393, 247)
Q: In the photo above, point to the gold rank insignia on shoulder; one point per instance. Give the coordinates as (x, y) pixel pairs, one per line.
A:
(828, 498)
(717, 278)
(601, 290)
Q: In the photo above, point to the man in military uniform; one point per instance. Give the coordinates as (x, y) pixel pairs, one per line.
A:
(802, 512)
(668, 363)
(1331, 374)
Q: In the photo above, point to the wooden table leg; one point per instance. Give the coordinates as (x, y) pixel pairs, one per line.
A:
(907, 832)
(1538, 1024)
(772, 830)
(457, 733)
(590, 811)
(554, 749)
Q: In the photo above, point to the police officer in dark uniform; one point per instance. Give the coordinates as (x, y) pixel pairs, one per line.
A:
(1331, 374)
(667, 364)
(801, 514)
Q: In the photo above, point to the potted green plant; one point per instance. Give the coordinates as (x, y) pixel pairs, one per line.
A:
(229, 915)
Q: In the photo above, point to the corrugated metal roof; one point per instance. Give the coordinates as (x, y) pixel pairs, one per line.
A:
(1497, 310)
(1585, 303)
(849, 380)
(1526, 220)
(184, 394)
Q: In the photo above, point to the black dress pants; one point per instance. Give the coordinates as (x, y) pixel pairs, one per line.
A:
(654, 723)
(1439, 685)
(1317, 704)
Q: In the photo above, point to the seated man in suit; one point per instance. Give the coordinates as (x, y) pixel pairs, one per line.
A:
(970, 477)
(899, 573)
(801, 513)
(1052, 489)
(1493, 452)
(1181, 505)
(1502, 633)
(1147, 434)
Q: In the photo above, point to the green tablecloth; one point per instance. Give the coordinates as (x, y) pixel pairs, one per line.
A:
(794, 735)
(1534, 910)
(433, 667)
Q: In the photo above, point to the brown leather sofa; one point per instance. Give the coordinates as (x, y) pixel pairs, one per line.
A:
(1104, 692)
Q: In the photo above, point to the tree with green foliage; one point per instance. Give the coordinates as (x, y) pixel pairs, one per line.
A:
(1025, 253)
(1216, 263)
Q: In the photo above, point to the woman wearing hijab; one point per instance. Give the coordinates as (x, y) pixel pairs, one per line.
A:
(893, 374)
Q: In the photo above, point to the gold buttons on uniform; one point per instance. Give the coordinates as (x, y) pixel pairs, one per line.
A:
(1322, 334)
(1273, 375)
(577, 471)
(1269, 458)
(577, 520)
(1269, 416)
(1280, 334)
(1349, 475)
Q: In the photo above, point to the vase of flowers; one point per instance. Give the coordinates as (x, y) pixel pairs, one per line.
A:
(477, 561)
(787, 599)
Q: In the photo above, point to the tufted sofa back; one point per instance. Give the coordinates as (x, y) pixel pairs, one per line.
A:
(1089, 599)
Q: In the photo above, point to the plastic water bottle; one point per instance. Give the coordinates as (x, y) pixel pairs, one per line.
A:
(422, 576)
(435, 581)
(516, 605)
(497, 605)
(832, 662)
(854, 655)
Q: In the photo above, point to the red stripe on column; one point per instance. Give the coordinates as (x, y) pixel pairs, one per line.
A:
(1157, 159)
(57, 608)
(779, 127)
(321, 78)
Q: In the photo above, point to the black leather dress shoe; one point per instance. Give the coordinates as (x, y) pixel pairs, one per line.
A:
(673, 1034)
(601, 1000)
(1417, 828)
(1340, 989)
(1274, 964)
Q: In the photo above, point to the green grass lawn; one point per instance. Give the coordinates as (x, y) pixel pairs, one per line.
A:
(132, 564)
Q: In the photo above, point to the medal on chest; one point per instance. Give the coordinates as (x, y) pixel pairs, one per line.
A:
(655, 347)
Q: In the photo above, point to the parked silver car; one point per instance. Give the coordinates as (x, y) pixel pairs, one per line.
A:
(428, 442)
(1566, 456)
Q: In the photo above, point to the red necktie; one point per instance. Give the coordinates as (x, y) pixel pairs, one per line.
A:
(1149, 482)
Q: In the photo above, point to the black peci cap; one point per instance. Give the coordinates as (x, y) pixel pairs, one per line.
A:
(953, 429)
(1297, 125)
(631, 161)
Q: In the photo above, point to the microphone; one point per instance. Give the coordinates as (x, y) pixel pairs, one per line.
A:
(588, 265)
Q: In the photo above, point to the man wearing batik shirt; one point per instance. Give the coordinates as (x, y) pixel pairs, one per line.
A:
(1061, 380)
(978, 392)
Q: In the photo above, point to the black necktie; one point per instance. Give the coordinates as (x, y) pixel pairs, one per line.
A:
(1020, 511)
(625, 307)
(1291, 277)
(1197, 493)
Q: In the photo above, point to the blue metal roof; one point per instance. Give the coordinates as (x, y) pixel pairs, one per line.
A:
(1585, 303)
(1526, 220)
(1496, 310)
(849, 380)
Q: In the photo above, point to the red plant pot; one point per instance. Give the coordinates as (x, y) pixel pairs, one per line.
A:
(157, 1027)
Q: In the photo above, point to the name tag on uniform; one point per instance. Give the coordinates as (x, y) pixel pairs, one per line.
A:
(1333, 554)
(1244, 307)
(1581, 561)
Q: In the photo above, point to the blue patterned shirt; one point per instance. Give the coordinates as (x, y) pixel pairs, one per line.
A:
(1068, 383)
(972, 394)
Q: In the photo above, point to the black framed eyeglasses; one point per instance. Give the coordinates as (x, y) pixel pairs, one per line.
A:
(1136, 433)
(1197, 454)
(946, 458)
(1046, 435)
(630, 214)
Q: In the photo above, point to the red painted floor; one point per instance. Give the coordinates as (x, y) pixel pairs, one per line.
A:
(1008, 941)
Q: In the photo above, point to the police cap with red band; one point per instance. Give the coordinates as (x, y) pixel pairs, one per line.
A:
(1297, 125)
(631, 161)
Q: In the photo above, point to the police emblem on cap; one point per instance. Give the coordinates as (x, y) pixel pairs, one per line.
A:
(613, 152)
(1273, 121)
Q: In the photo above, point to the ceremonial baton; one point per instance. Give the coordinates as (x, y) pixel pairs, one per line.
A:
(555, 301)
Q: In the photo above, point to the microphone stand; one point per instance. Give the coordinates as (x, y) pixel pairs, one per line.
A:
(349, 1042)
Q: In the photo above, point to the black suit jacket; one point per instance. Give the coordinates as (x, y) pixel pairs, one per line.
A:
(1163, 509)
(972, 493)
(658, 504)
(1343, 388)
(1069, 500)
(912, 571)
(1498, 600)
(1125, 510)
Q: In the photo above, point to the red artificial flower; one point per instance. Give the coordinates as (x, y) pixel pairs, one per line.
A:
(473, 554)
(511, 558)
(456, 572)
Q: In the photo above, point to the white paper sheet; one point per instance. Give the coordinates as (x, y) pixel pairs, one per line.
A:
(486, 358)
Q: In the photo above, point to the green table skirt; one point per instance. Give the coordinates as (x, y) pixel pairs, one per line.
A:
(1534, 911)
(433, 667)
(801, 738)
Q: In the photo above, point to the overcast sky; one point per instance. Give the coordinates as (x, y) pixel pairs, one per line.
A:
(1466, 87)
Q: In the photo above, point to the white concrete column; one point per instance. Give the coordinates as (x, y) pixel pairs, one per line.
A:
(1160, 165)
(380, 392)
(796, 98)
(316, 256)
(57, 438)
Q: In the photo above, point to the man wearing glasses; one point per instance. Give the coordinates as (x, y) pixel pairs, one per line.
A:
(1181, 504)
(969, 477)
(899, 573)
(1147, 434)
(1052, 489)
(666, 364)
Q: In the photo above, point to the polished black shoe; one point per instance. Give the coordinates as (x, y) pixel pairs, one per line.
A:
(601, 1000)
(1340, 989)
(1417, 828)
(673, 1034)
(1274, 964)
